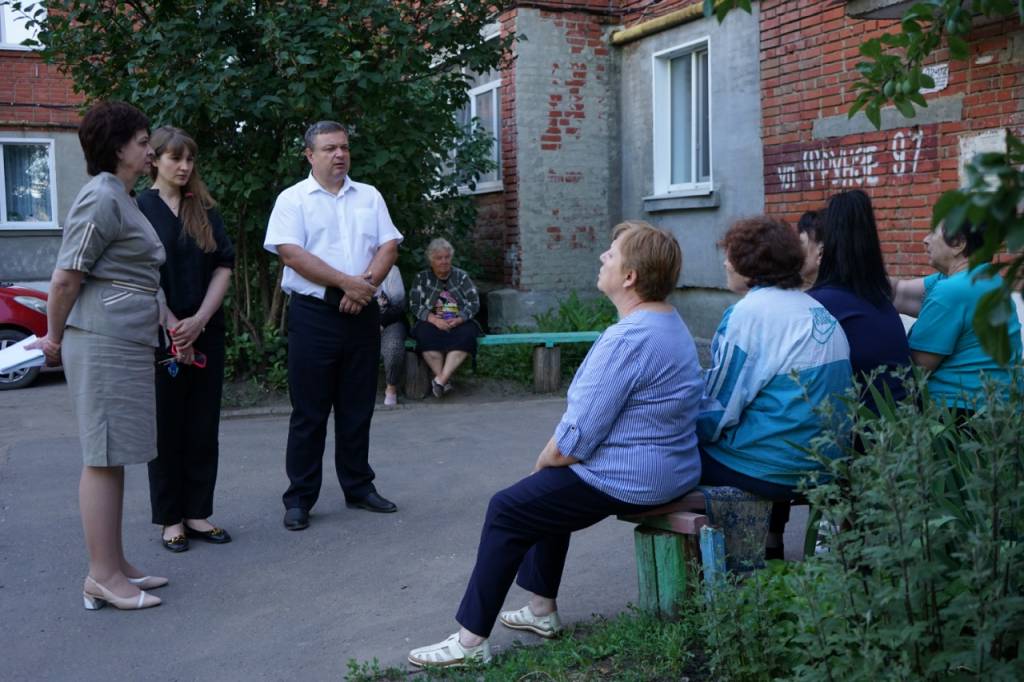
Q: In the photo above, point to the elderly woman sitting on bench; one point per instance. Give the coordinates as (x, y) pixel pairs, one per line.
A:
(625, 444)
(776, 356)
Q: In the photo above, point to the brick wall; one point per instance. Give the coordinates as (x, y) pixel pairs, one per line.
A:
(809, 52)
(34, 94)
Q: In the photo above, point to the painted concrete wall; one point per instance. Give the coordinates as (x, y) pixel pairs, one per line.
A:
(568, 146)
(27, 254)
(737, 166)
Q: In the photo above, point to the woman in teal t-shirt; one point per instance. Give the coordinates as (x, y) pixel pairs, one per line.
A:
(943, 339)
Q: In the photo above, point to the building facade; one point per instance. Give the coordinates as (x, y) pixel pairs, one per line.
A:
(596, 105)
(620, 109)
(41, 164)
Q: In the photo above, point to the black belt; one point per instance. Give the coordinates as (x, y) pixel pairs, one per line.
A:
(332, 297)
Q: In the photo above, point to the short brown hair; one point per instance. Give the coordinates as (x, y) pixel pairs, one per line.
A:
(105, 128)
(653, 254)
(766, 251)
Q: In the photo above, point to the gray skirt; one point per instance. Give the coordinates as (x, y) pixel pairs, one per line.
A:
(112, 397)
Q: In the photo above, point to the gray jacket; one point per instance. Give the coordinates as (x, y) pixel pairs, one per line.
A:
(107, 238)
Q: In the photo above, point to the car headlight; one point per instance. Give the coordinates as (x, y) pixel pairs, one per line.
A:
(36, 304)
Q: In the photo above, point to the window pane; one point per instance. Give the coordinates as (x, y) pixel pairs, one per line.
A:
(27, 183)
(680, 101)
(703, 135)
(13, 29)
(486, 110)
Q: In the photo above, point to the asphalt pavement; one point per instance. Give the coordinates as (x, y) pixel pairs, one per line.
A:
(275, 604)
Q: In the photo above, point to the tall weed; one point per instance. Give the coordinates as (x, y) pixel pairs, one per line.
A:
(923, 582)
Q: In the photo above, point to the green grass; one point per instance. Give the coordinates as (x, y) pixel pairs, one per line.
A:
(632, 647)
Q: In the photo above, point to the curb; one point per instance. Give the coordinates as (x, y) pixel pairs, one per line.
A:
(286, 410)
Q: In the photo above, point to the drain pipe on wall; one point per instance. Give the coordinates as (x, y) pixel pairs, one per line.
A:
(670, 20)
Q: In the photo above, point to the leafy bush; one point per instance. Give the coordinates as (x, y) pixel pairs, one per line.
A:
(925, 579)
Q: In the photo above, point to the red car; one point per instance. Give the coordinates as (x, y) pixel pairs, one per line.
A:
(22, 313)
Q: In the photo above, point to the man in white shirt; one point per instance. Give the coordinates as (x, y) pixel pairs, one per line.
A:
(337, 243)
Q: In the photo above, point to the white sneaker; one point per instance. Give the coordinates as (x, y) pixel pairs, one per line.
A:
(546, 626)
(390, 399)
(450, 652)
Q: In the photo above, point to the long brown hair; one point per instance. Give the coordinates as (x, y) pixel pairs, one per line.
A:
(195, 198)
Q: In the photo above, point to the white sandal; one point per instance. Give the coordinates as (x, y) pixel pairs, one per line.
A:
(450, 652)
(546, 626)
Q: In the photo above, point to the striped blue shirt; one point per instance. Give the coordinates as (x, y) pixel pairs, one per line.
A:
(632, 410)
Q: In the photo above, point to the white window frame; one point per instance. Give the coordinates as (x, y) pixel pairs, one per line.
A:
(492, 87)
(662, 123)
(4, 44)
(52, 223)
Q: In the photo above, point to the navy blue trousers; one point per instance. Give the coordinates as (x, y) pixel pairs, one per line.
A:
(332, 364)
(527, 530)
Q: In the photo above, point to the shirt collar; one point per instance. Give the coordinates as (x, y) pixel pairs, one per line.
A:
(311, 185)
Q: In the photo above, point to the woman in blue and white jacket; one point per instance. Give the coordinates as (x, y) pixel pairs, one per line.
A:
(776, 356)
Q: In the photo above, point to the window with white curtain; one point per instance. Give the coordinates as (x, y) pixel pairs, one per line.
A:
(682, 117)
(13, 24)
(484, 110)
(29, 199)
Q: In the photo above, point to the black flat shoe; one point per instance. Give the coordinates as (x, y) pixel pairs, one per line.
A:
(296, 519)
(179, 543)
(217, 536)
(372, 502)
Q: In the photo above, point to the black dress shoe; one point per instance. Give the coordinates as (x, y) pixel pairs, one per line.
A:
(179, 543)
(372, 502)
(296, 518)
(217, 536)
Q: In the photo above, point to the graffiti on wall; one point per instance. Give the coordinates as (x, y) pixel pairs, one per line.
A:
(846, 166)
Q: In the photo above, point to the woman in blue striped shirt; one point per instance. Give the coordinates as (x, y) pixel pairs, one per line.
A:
(625, 444)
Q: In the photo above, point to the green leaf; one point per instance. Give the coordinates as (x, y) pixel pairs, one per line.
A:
(990, 325)
(905, 107)
(957, 48)
(945, 204)
(874, 115)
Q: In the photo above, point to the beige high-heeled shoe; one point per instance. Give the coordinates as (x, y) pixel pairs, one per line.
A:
(95, 597)
(148, 582)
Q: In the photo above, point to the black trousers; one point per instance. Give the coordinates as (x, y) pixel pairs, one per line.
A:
(332, 363)
(527, 529)
(183, 476)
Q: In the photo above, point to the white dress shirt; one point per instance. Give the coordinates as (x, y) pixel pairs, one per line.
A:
(344, 229)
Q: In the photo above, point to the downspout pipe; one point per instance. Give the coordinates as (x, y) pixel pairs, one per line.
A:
(663, 23)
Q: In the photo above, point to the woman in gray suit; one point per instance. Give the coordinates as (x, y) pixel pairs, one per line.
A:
(103, 316)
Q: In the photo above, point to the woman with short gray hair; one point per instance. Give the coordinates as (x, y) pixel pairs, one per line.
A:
(443, 299)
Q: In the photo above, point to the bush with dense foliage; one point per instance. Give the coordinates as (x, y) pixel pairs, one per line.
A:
(925, 581)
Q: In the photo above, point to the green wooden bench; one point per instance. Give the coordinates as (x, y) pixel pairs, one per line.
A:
(673, 540)
(670, 543)
(547, 358)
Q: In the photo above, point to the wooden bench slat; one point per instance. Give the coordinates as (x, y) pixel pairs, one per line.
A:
(684, 523)
(548, 339)
(692, 501)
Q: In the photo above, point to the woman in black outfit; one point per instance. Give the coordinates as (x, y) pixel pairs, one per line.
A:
(195, 278)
